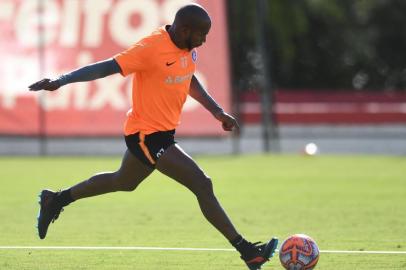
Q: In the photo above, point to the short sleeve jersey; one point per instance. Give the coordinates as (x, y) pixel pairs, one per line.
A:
(161, 82)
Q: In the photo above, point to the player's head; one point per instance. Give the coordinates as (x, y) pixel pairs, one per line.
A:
(192, 23)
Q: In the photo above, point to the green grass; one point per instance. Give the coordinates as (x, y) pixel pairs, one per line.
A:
(343, 202)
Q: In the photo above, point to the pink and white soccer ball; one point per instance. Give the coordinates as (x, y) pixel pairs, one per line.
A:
(299, 252)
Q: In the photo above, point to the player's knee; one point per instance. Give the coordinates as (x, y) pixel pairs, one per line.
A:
(128, 187)
(123, 183)
(205, 187)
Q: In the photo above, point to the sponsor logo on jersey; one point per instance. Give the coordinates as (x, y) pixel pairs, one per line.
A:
(178, 79)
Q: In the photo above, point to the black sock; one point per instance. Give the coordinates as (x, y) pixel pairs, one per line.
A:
(236, 241)
(242, 246)
(64, 198)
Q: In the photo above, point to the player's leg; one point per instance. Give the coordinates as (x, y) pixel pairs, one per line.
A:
(178, 165)
(130, 174)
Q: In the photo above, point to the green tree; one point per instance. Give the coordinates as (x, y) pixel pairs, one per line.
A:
(323, 44)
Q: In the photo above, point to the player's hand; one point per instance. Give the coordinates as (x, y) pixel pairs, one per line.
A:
(45, 84)
(228, 122)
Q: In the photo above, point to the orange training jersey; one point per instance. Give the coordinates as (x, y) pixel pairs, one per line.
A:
(162, 76)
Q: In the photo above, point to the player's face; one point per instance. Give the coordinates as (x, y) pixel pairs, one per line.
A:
(198, 36)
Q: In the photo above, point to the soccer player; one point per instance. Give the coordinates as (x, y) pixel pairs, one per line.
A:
(163, 66)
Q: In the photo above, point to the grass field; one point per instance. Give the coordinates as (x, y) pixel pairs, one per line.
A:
(349, 203)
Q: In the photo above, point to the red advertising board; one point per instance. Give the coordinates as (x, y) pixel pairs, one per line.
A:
(328, 107)
(61, 35)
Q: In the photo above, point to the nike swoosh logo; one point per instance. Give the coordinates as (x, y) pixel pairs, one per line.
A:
(169, 64)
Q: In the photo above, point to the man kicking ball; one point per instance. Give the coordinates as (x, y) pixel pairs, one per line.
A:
(163, 66)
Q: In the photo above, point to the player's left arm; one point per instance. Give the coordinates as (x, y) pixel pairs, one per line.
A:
(200, 94)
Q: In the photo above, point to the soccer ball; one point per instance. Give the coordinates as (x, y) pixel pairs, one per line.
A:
(299, 252)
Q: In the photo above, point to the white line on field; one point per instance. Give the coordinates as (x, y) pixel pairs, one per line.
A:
(183, 249)
(115, 248)
(363, 252)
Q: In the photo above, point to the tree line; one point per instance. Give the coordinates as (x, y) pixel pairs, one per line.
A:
(321, 44)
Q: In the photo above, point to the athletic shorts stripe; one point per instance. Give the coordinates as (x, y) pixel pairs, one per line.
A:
(144, 148)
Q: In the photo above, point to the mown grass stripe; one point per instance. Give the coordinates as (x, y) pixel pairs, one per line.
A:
(187, 249)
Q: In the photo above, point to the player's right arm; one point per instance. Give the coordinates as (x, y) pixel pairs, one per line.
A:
(87, 73)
